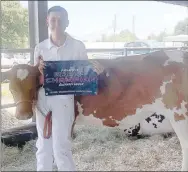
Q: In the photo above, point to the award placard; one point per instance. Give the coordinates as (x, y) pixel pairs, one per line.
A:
(70, 77)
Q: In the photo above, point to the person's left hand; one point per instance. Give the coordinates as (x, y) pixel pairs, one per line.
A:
(97, 67)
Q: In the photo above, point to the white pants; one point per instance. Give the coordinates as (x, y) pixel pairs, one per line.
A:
(59, 144)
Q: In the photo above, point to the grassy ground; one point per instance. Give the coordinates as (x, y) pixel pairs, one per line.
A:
(5, 90)
(6, 96)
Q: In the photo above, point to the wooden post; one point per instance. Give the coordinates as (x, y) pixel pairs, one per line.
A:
(42, 15)
(1, 156)
(38, 30)
(33, 32)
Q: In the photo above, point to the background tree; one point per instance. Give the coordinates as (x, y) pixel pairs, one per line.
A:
(152, 37)
(15, 25)
(181, 27)
(122, 36)
(161, 36)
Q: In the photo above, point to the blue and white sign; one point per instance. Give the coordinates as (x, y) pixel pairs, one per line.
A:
(70, 77)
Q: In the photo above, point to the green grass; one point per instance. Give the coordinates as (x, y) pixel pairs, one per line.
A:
(5, 90)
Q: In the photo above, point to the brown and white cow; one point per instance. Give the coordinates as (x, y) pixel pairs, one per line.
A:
(130, 90)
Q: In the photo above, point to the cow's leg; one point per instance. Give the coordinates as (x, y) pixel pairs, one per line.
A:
(179, 123)
(72, 131)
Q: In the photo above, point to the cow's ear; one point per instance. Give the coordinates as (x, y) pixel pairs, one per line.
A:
(6, 75)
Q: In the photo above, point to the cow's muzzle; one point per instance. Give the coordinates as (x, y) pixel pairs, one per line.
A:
(24, 110)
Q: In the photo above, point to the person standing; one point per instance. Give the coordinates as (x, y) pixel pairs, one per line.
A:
(59, 46)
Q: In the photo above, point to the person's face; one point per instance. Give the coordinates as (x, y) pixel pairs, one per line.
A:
(57, 22)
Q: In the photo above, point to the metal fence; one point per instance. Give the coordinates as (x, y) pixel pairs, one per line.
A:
(117, 52)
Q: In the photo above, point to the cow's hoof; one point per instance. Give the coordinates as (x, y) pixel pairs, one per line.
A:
(139, 136)
(73, 135)
(167, 135)
(142, 136)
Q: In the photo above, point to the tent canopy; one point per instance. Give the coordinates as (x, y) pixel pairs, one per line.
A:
(182, 3)
(177, 38)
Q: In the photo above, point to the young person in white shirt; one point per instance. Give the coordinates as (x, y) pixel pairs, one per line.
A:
(60, 46)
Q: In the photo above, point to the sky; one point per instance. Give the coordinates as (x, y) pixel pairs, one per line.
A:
(90, 19)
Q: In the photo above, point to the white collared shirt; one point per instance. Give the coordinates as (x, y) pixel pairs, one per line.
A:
(71, 50)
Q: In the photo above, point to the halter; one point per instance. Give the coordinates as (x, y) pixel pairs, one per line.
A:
(28, 101)
(47, 131)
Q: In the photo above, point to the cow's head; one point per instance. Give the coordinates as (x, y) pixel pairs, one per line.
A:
(23, 84)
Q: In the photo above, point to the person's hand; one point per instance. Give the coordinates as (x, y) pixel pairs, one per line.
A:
(41, 65)
(97, 67)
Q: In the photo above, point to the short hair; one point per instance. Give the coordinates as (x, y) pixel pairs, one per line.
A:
(58, 9)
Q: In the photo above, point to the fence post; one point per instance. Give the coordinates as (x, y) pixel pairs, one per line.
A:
(1, 155)
(33, 32)
(42, 15)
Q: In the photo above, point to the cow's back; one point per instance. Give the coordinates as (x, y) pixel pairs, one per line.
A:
(125, 86)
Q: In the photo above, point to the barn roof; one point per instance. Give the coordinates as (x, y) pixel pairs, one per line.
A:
(182, 3)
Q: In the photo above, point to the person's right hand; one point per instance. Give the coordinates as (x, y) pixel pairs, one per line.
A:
(41, 65)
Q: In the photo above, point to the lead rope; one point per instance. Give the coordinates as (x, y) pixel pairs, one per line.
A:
(47, 131)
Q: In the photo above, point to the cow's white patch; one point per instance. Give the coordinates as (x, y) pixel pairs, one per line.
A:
(87, 120)
(163, 87)
(174, 56)
(22, 74)
(161, 127)
(181, 129)
(146, 111)
(181, 110)
(141, 114)
(139, 117)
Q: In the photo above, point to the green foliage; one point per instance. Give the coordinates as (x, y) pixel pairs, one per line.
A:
(123, 36)
(181, 27)
(127, 36)
(15, 25)
(152, 37)
(15, 28)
